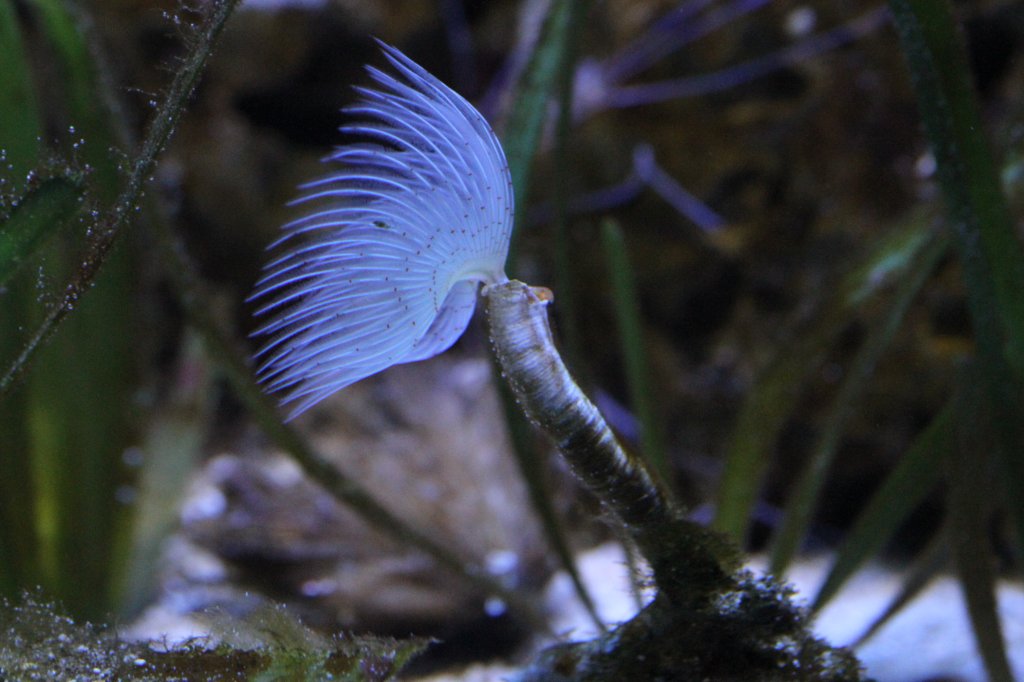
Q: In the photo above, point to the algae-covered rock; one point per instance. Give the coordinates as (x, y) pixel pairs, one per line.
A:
(751, 631)
(37, 642)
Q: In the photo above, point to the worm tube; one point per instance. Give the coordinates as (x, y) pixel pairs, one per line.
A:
(551, 398)
(710, 619)
(530, 363)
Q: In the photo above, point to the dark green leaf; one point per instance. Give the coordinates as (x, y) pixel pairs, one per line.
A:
(920, 259)
(157, 135)
(79, 390)
(37, 215)
(990, 251)
(627, 316)
(96, 126)
(550, 64)
(19, 134)
(772, 399)
(19, 152)
(906, 486)
(564, 257)
(531, 104)
(968, 476)
(926, 566)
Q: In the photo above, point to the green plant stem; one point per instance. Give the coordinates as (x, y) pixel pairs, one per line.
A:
(105, 233)
(771, 400)
(926, 566)
(622, 283)
(565, 279)
(990, 251)
(530, 110)
(968, 469)
(916, 475)
(807, 490)
(36, 216)
(551, 67)
(19, 136)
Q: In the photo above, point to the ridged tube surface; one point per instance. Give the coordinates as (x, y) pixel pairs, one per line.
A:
(521, 336)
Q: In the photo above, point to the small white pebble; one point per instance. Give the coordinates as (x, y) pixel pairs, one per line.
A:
(501, 561)
(205, 503)
(495, 607)
(801, 21)
(925, 166)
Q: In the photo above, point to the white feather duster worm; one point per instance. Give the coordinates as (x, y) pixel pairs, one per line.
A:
(386, 266)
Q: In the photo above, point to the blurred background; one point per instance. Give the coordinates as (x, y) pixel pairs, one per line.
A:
(733, 201)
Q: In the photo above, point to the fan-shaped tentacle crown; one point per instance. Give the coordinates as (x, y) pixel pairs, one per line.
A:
(384, 267)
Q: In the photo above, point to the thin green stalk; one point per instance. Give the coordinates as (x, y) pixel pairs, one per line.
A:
(779, 385)
(928, 563)
(531, 106)
(804, 498)
(104, 236)
(565, 279)
(551, 66)
(627, 316)
(19, 150)
(968, 476)
(36, 216)
(913, 478)
(19, 136)
(990, 251)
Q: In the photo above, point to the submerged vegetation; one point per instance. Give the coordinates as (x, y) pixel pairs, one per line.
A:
(107, 253)
(38, 642)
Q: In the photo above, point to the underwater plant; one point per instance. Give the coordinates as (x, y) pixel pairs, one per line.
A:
(387, 269)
